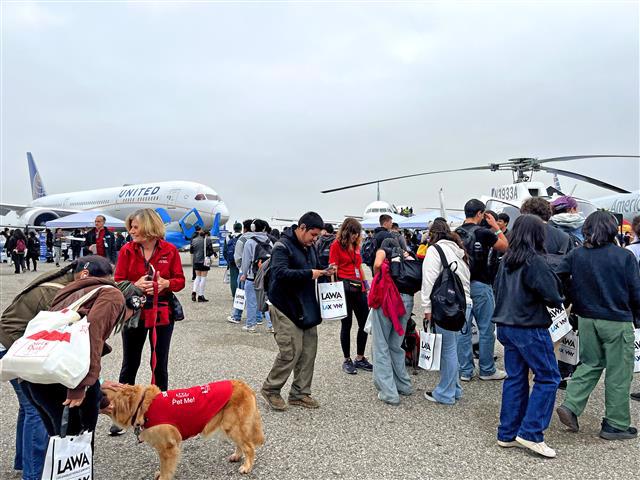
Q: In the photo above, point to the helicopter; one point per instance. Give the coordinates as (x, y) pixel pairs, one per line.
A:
(508, 198)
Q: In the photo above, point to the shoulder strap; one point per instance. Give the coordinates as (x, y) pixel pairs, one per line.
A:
(59, 286)
(78, 303)
(443, 257)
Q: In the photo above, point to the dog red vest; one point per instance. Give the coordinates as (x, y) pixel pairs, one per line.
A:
(188, 409)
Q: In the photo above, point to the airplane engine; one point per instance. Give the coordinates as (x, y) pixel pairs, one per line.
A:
(37, 216)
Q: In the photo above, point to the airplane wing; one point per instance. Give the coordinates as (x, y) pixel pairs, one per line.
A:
(11, 207)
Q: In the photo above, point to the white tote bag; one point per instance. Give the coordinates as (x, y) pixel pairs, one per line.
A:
(569, 348)
(239, 299)
(226, 279)
(560, 325)
(430, 351)
(333, 302)
(636, 364)
(69, 457)
(207, 259)
(54, 348)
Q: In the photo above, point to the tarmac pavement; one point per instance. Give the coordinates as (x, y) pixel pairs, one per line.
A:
(352, 435)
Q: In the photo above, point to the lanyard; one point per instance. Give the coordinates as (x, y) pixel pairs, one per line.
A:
(147, 263)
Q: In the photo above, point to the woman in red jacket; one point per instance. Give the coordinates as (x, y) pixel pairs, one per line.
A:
(154, 266)
(345, 255)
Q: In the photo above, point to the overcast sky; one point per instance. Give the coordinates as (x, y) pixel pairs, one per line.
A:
(269, 103)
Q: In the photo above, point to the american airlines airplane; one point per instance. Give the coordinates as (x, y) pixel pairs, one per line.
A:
(182, 205)
(627, 204)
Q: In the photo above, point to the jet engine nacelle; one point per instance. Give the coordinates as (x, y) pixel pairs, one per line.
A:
(37, 217)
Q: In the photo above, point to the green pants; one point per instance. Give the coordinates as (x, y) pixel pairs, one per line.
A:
(297, 354)
(604, 344)
(234, 273)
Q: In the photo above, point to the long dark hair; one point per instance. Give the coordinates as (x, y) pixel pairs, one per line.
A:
(599, 229)
(526, 241)
(349, 227)
(439, 230)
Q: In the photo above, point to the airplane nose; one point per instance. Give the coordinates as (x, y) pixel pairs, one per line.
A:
(222, 209)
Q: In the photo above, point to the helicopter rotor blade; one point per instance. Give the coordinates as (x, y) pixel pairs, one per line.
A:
(578, 157)
(483, 167)
(584, 178)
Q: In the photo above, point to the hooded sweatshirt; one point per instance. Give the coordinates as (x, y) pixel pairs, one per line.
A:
(246, 267)
(432, 266)
(569, 223)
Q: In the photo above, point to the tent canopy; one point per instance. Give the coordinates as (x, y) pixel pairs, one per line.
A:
(423, 220)
(84, 219)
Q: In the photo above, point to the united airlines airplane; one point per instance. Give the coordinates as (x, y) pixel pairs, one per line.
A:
(182, 205)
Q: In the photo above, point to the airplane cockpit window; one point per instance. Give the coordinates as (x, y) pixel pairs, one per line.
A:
(212, 197)
(201, 196)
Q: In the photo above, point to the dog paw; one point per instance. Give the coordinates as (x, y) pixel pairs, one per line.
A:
(156, 476)
(244, 469)
(234, 458)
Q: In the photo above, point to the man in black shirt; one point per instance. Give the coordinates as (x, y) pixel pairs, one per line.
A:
(478, 241)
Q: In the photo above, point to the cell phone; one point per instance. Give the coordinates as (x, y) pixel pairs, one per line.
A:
(151, 272)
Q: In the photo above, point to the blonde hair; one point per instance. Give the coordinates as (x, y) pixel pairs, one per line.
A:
(149, 223)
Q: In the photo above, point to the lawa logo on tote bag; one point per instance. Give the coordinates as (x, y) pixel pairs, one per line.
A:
(73, 463)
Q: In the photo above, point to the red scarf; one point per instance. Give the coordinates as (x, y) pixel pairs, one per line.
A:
(385, 294)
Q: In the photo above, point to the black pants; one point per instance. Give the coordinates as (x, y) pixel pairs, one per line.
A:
(132, 344)
(18, 261)
(48, 401)
(356, 304)
(34, 259)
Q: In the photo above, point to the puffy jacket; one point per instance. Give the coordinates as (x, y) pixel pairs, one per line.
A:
(37, 296)
(432, 266)
(292, 289)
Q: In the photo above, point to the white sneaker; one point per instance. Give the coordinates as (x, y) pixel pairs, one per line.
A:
(465, 378)
(497, 375)
(230, 319)
(249, 329)
(510, 444)
(270, 330)
(539, 448)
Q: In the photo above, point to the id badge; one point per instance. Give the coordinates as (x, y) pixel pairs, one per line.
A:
(357, 273)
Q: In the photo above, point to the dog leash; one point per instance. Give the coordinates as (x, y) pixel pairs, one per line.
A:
(137, 429)
(154, 334)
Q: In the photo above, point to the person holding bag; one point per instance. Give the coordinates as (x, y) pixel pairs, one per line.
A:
(344, 254)
(103, 310)
(153, 265)
(391, 308)
(202, 249)
(448, 390)
(525, 286)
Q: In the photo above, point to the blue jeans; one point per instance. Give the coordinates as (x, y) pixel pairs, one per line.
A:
(31, 437)
(251, 304)
(390, 375)
(449, 389)
(522, 414)
(483, 306)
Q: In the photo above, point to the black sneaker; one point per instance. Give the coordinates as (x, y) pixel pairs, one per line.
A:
(193, 296)
(562, 385)
(611, 433)
(202, 299)
(363, 364)
(348, 367)
(635, 396)
(116, 431)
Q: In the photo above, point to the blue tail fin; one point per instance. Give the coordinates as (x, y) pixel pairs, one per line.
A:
(37, 188)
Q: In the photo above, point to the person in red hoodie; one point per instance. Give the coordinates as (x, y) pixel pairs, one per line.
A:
(154, 266)
(345, 255)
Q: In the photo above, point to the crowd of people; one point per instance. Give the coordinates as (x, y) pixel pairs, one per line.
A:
(22, 247)
(551, 257)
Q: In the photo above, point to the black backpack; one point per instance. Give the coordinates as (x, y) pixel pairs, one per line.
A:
(230, 248)
(368, 251)
(448, 303)
(406, 274)
(475, 252)
(261, 254)
(322, 247)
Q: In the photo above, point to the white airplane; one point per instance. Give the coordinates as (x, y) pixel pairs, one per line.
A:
(626, 204)
(182, 205)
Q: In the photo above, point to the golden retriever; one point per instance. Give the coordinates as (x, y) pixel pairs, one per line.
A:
(239, 419)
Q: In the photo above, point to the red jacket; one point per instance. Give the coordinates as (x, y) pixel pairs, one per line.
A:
(188, 409)
(347, 261)
(166, 262)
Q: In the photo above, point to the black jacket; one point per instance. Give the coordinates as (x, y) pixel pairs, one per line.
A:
(522, 295)
(109, 240)
(604, 282)
(380, 234)
(292, 289)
